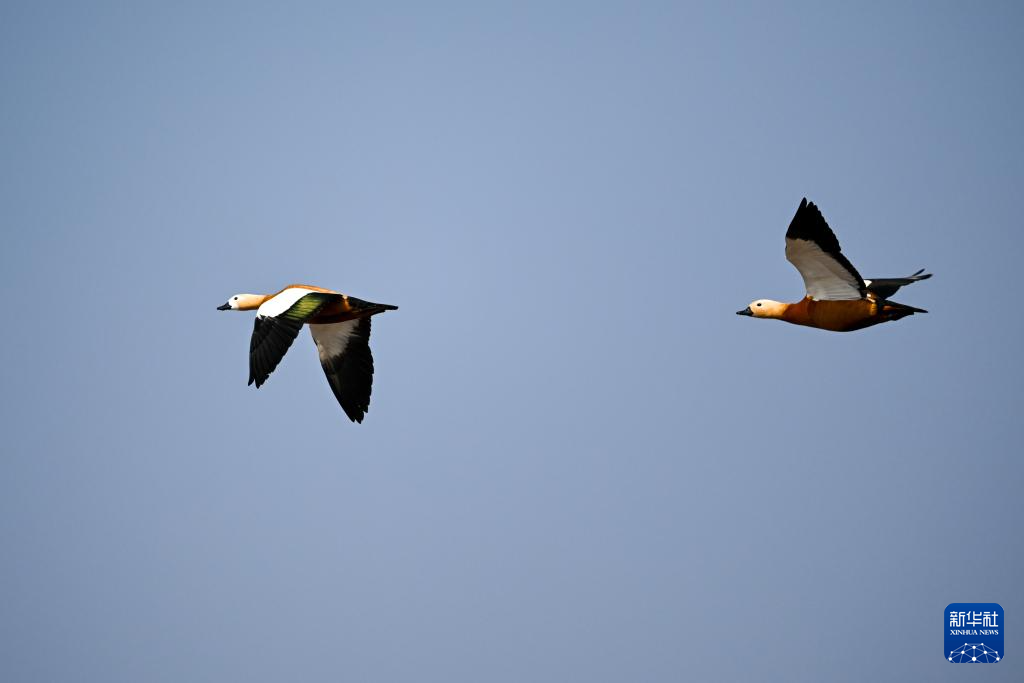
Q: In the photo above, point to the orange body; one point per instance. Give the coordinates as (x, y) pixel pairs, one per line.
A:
(337, 312)
(842, 316)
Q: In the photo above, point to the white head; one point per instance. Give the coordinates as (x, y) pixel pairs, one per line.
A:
(764, 308)
(243, 302)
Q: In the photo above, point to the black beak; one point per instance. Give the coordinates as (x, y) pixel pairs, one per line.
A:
(224, 307)
(745, 311)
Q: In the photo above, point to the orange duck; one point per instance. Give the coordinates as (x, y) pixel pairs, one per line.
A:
(340, 325)
(838, 298)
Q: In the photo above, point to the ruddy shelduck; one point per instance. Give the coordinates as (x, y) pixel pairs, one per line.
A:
(838, 298)
(340, 325)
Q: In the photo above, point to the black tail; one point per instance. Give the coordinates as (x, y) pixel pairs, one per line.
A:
(369, 306)
(380, 308)
(883, 288)
(894, 311)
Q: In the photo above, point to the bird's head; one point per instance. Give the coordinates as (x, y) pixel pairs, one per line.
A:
(763, 308)
(242, 302)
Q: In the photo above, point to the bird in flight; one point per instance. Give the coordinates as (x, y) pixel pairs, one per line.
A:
(340, 325)
(838, 298)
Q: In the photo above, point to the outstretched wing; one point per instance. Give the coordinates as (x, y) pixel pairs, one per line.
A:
(812, 247)
(278, 322)
(883, 288)
(345, 356)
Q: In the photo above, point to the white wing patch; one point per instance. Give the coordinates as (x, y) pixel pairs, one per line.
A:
(825, 278)
(332, 339)
(271, 308)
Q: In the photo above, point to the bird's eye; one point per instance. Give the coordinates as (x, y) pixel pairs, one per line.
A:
(235, 298)
(759, 305)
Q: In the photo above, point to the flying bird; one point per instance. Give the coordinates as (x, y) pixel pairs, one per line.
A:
(838, 298)
(340, 325)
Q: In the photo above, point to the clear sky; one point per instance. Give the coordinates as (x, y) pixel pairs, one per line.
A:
(579, 463)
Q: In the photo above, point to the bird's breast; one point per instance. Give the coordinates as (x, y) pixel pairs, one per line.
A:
(836, 316)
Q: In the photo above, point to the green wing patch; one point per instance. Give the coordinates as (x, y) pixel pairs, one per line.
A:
(308, 306)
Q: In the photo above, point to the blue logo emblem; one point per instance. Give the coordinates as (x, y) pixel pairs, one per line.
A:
(974, 632)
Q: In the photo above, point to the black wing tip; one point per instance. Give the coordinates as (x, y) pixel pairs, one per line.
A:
(807, 205)
(354, 410)
(354, 415)
(809, 224)
(806, 211)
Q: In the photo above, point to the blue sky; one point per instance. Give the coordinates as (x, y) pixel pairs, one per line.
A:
(579, 464)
